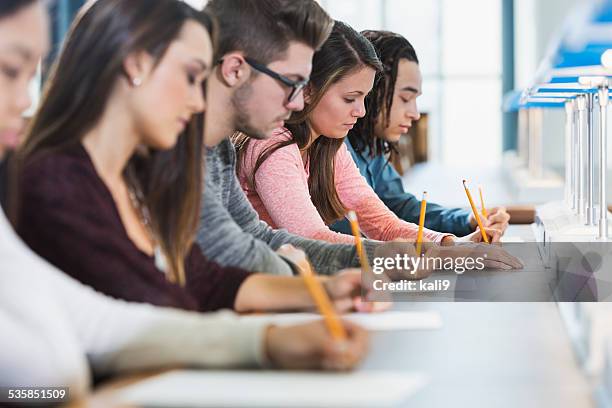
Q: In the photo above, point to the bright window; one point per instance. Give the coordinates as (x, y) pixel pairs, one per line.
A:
(459, 48)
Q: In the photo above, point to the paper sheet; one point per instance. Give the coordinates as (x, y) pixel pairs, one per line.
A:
(190, 388)
(391, 320)
(511, 239)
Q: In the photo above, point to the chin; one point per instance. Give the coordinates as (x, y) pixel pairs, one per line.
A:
(337, 135)
(166, 142)
(393, 138)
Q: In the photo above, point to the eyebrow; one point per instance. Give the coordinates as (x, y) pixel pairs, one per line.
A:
(410, 89)
(299, 77)
(356, 92)
(21, 50)
(201, 62)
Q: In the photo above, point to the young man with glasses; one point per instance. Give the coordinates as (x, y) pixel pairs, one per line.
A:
(264, 55)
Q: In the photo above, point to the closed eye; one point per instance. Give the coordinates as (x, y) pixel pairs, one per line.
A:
(11, 73)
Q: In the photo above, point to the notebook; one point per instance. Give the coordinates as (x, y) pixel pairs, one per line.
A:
(194, 388)
(384, 321)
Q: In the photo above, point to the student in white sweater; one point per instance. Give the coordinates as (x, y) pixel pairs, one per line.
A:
(52, 328)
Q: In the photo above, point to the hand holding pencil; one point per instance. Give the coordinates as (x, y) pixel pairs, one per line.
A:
(339, 346)
(310, 346)
(482, 233)
(496, 218)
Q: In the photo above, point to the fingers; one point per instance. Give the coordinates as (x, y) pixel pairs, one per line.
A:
(485, 221)
(344, 305)
(492, 264)
(371, 307)
(347, 354)
(498, 254)
(499, 218)
(345, 283)
(493, 234)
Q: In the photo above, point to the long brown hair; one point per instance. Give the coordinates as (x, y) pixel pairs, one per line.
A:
(105, 32)
(345, 52)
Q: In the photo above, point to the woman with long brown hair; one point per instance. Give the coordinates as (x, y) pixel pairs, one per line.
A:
(321, 181)
(57, 332)
(111, 167)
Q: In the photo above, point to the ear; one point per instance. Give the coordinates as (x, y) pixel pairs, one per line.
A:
(138, 67)
(233, 69)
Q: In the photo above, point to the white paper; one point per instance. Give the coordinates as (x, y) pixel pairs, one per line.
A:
(192, 388)
(511, 239)
(384, 321)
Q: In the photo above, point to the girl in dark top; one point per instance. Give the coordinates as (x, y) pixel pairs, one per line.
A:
(110, 169)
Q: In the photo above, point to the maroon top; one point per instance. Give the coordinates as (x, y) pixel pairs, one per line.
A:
(69, 217)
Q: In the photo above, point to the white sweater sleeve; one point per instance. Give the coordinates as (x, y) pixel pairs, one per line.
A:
(51, 326)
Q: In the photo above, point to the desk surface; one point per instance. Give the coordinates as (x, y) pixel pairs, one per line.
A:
(485, 355)
(488, 355)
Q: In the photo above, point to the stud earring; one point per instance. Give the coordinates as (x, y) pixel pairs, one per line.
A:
(136, 82)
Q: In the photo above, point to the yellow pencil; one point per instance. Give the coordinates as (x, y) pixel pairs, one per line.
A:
(475, 211)
(482, 205)
(363, 256)
(323, 303)
(421, 223)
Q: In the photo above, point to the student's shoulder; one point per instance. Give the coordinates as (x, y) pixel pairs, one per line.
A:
(257, 147)
(58, 173)
(343, 155)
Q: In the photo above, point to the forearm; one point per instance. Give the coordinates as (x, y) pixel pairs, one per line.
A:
(120, 336)
(225, 241)
(272, 293)
(326, 258)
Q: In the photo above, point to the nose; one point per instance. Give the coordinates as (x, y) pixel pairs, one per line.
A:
(23, 100)
(197, 102)
(297, 104)
(413, 112)
(360, 110)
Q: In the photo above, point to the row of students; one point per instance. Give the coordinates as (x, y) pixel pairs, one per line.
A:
(241, 98)
(252, 92)
(115, 211)
(311, 154)
(110, 173)
(52, 325)
(320, 180)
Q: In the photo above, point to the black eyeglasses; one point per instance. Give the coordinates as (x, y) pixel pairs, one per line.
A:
(296, 86)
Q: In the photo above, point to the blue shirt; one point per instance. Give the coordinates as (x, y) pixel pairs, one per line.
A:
(387, 184)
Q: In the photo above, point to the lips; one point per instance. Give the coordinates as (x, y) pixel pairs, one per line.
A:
(10, 138)
(183, 122)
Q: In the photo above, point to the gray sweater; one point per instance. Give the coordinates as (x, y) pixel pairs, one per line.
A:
(231, 233)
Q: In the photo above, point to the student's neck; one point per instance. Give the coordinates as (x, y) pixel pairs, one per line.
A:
(314, 135)
(220, 111)
(111, 143)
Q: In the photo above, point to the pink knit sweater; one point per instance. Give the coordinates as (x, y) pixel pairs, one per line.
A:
(282, 198)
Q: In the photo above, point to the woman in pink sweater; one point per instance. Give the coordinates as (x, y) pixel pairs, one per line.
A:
(303, 178)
